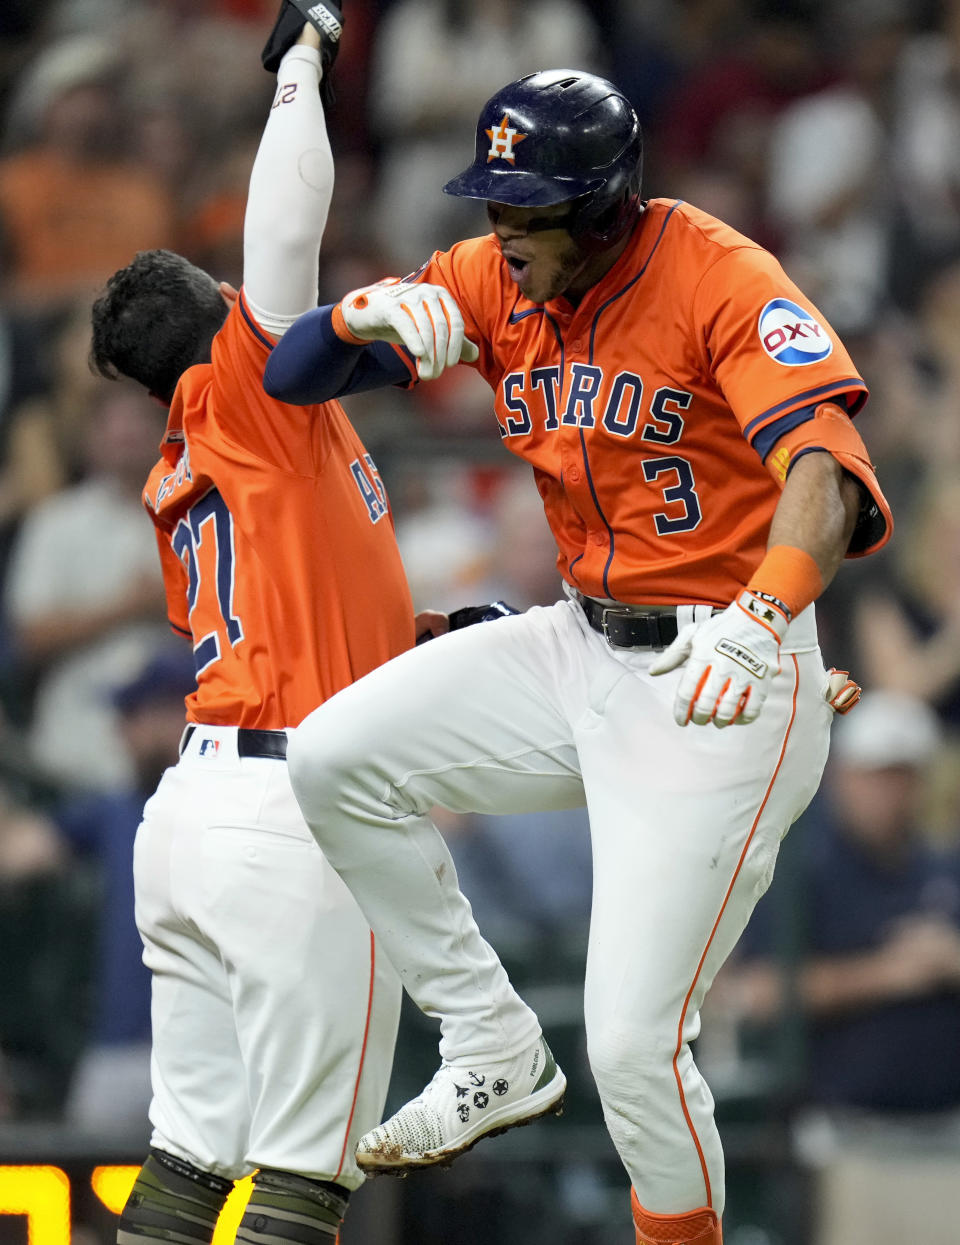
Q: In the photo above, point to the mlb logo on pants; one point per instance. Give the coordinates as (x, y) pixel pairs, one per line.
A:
(209, 747)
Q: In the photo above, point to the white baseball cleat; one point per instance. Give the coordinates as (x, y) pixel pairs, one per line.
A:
(461, 1105)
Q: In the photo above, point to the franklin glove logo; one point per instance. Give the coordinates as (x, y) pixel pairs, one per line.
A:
(742, 656)
(322, 17)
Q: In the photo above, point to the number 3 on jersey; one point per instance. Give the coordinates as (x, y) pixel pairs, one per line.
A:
(203, 541)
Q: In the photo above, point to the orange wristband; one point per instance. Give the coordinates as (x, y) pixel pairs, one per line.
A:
(340, 328)
(789, 575)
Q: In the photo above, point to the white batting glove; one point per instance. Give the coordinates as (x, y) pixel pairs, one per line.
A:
(730, 660)
(424, 318)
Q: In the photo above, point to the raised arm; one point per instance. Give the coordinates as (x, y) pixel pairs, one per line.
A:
(291, 186)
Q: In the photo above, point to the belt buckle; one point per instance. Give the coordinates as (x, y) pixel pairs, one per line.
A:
(616, 611)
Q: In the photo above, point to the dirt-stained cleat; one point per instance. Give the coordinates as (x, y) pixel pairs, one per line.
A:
(462, 1104)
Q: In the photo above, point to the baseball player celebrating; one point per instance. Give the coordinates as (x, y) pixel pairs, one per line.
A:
(274, 1012)
(686, 412)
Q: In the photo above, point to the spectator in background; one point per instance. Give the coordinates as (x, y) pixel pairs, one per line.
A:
(43, 983)
(110, 1090)
(434, 62)
(84, 594)
(445, 545)
(927, 149)
(908, 630)
(59, 410)
(712, 145)
(937, 381)
(831, 174)
(875, 972)
(71, 207)
(657, 49)
(41, 448)
(29, 463)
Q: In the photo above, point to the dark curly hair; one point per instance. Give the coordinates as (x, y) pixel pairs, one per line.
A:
(155, 318)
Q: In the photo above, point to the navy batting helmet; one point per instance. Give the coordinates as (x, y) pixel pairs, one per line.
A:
(560, 136)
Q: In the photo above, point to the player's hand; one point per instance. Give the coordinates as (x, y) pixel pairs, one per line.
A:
(322, 16)
(842, 692)
(921, 954)
(424, 318)
(430, 623)
(729, 661)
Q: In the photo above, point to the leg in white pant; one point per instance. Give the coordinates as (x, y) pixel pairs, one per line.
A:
(470, 722)
(682, 853)
(532, 713)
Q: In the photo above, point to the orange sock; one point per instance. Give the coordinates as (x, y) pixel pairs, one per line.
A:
(698, 1227)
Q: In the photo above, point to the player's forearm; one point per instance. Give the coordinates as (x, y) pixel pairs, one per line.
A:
(817, 511)
(312, 364)
(836, 985)
(824, 986)
(291, 185)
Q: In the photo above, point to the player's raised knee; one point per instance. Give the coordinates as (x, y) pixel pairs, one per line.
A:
(319, 759)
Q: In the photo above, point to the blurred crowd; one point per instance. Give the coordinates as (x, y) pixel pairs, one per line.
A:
(828, 130)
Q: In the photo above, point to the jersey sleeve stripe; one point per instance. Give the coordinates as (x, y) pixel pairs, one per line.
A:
(252, 324)
(852, 385)
(766, 438)
(180, 630)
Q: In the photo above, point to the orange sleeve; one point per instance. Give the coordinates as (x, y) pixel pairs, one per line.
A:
(769, 349)
(285, 436)
(832, 430)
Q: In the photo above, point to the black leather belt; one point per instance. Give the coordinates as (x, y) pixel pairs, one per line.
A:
(271, 744)
(626, 627)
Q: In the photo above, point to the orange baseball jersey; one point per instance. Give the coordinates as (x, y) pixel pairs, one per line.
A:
(276, 540)
(648, 411)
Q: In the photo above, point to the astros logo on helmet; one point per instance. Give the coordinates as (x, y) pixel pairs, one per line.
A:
(502, 140)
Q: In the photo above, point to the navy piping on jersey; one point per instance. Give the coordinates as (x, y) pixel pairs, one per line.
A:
(633, 280)
(255, 328)
(593, 336)
(767, 437)
(516, 316)
(820, 393)
(180, 630)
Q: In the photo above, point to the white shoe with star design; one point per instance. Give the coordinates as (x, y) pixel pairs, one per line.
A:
(462, 1104)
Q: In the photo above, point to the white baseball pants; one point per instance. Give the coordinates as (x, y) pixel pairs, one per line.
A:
(274, 1012)
(535, 712)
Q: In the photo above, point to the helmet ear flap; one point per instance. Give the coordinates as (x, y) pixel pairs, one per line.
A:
(599, 225)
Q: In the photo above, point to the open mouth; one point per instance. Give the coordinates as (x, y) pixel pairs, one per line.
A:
(518, 267)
